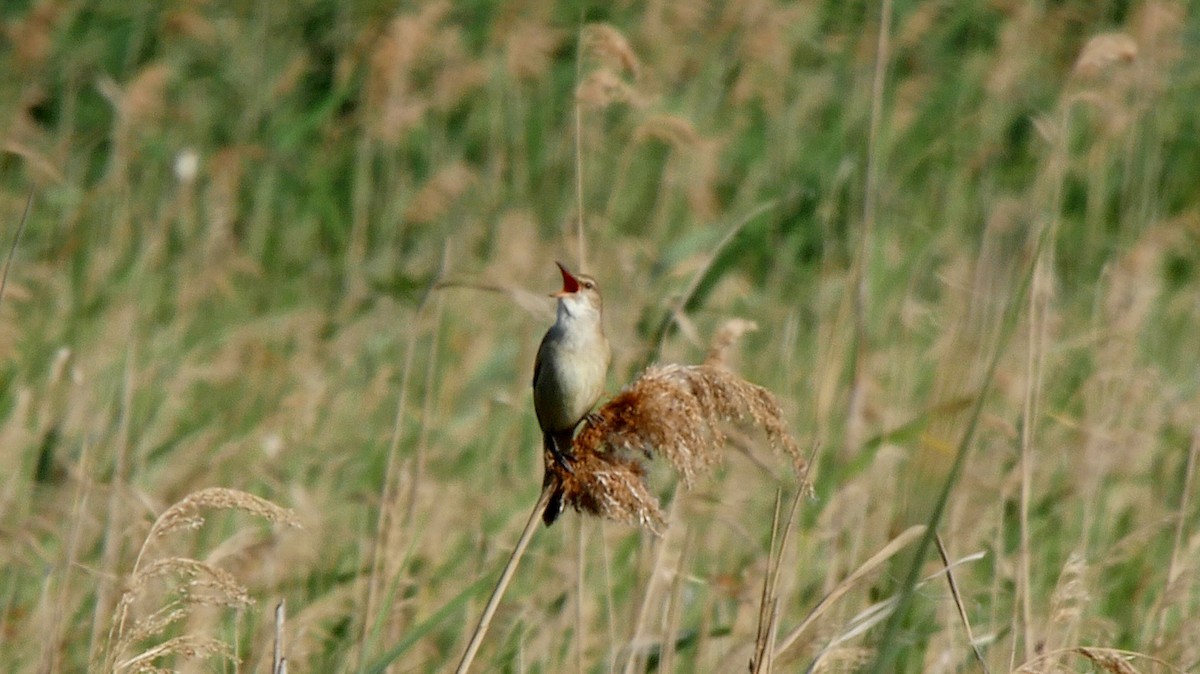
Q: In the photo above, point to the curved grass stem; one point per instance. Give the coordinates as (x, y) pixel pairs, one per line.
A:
(510, 568)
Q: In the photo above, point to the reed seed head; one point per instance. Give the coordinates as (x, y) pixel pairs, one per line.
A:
(673, 411)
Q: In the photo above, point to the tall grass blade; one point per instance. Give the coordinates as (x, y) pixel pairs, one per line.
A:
(888, 644)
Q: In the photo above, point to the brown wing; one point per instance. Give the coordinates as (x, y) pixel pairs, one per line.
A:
(537, 362)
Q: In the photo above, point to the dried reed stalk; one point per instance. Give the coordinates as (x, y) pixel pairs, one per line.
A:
(278, 659)
(958, 603)
(768, 613)
(673, 411)
(510, 568)
(885, 553)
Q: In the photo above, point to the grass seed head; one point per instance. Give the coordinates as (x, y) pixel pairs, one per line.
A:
(187, 646)
(672, 411)
(608, 45)
(1103, 52)
(186, 513)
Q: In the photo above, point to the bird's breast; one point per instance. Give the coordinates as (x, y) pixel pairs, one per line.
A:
(570, 377)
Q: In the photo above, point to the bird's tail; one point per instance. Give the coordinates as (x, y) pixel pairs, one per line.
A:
(556, 448)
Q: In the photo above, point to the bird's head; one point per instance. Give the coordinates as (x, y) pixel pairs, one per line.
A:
(579, 294)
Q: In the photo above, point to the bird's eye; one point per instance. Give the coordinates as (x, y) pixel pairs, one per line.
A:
(589, 285)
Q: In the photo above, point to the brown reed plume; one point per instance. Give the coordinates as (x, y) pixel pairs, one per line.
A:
(674, 411)
(677, 412)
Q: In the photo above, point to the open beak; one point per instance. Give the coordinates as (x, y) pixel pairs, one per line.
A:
(570, 283)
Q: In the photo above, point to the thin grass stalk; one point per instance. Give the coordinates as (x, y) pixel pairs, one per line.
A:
(77, 510)
(1034, 359)
(485, 620)
(772, 634)
(278, 658)
(111, 557)
(888, 646)
(997, 588)
(804, 489)
(580, 575)
(431, 378)
(766, 595)
(1033, 376)
(16, 241)
(1026, 473)
(639, 623)
(45, 618)
(385, 497)
(417, 465)
(390, 478)
(854, 413)
(360, 218)
(388, 495)
(887, 552)
(833, 345)
(666, 661)
(609, 602)
(1174, 569)
(235, 637)
(958, 604)
(579, 146)
(877, 613)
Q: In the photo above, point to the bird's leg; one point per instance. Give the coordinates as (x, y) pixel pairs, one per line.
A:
(562, 457)
(593, 419)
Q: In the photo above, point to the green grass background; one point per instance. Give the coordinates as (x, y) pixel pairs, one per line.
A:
(270, 323)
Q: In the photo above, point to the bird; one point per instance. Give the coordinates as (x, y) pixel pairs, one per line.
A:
(571, 365)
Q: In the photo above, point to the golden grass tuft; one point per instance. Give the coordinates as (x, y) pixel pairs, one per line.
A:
(730, 333)
(602, 88)
(183, 584)
(145, 97)
(529, 49)
(202, 583)
(188, 646)
(673, 411)
(1104, 659)
(415, 49)
(673, 130)
(1108, 660)
(1071, 594)
(1103, 52)
(607, 45)
(32, 37)
(190, 584)
(437, 196)
(186, 513)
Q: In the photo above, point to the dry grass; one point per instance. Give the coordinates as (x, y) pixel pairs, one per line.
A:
(165, 593)
(675, 412)
(222, 284)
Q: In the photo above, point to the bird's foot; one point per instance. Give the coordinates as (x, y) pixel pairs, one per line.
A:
(564, 458)
(593, 419)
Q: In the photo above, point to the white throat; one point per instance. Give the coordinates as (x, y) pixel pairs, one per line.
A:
(575, 308)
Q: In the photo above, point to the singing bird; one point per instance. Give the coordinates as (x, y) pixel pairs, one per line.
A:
(571, 365)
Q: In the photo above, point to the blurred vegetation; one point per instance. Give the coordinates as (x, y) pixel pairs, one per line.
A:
(230, 277)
